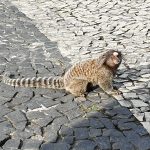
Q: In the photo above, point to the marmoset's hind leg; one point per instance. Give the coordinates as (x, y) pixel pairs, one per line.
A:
(77, 87)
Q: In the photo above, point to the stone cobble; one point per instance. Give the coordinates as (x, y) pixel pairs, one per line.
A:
(93, 26)
(57, 34)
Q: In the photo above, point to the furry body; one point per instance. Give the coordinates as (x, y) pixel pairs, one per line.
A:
(96, 71)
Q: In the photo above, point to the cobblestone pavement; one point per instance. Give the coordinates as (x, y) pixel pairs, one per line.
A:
(57, 34)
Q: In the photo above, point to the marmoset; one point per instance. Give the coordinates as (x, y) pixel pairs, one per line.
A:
(100, 71)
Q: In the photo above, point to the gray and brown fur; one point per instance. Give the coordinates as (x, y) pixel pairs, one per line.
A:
(41, 82)
(98, 71)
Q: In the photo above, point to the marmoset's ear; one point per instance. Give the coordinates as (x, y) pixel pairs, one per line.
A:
(102, 59)
(105, 57)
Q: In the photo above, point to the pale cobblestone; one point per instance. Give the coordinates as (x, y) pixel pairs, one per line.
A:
(108, 19)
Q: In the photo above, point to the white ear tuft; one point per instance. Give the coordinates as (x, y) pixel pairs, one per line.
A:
(115, 53)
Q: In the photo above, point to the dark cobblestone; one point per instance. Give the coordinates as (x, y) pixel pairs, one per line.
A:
(95, 132)
(135, 139)
(127, 126)
(38, 101)
(31, 144)
(4, 110)
(56, 146)
(103, 142)
(68, 139)
(5, 93)
(22, 134)
(112, 133)
(84, 145)
(74, 113)
(60, 121)
(6, 127)
(18, 119)
(79, 122)
(43, 121)
(123, 146)
(50, 135)
(67, 106)
(12, 144)
(52, 112)
(66, 131)
(140, 130)
(4, 137)
(66, 98)
(95, 123)
(31, 115)
(34, 129)
(81, 133)
(107, 122)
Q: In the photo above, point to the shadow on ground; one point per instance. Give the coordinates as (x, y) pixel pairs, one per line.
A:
(52, 120)
(102, 123)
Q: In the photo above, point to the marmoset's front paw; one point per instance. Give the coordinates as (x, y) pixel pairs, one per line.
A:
(115, 92)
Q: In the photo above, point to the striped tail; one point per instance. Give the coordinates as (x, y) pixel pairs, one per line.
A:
(39, 82)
